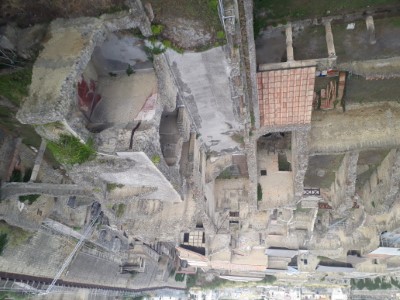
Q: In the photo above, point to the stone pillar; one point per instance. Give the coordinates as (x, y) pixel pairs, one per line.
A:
(344, 186)
(351, 176)
(38, 160)
(251, 153)
(289, 42)
(394, 172)
(329, 39)
(371, 29)
(299, 160)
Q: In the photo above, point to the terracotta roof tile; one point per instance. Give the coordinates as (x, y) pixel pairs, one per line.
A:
(286, 96)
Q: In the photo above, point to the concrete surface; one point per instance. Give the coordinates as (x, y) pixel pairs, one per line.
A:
(118, 51)
(204, 78)
(123, 97)
(370, 126)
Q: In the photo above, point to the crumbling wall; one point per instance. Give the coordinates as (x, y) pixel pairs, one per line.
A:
(343, 188)
(382, 188)
(299, 160)
(53, 94)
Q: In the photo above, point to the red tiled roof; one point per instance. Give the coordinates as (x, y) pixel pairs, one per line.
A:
(285, 97)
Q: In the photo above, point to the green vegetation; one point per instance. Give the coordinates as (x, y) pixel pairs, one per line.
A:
(252, 119)
(259, 192)
(283, 163)
(238, 138)
(69, 150)
(156, 159)
(3, 242)
(16, 176)
(272, 12)
(130, 70)
(119, 210)
(15, 235)
(220, 34)
(373, 284)
(30, 198)
(180, 277)
(14, 86)
(225, 174)
(191, 280)
(27, 175)
(269, 279)
(113, 186)
(373, 204)
(112, 9)
(154, 49)
(9, 295)
(171, 45)
(157, 29)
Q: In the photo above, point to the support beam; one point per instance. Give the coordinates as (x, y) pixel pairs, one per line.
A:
(369, 21)
(289, 42)
(329, 39)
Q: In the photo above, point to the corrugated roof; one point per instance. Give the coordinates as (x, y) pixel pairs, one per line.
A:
(285, 96)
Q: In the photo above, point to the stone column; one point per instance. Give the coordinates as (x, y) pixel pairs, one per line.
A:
(299, 160)
(289, 42)
(394, 179)
(371, 29)
(251, 153)
(329, 39)
(351, 176)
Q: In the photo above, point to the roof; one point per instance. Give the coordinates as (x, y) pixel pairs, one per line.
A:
(285, 96)
(281, 252)
(385, 251)
(334, 269)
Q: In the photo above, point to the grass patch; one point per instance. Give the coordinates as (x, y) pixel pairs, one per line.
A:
(171, 45)
(130, 70)
(238, 138)
(14, 86)
(179, 277)
(29, 198)
(119, 210)
(225, 174)
(69, 150)
(113, 186)
(15, 235)
(220, 35)
(157, 29)
(3, 242)
(155, 159)
(259, 192)
(373, 284)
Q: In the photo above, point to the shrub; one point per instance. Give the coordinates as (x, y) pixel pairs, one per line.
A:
(27, 175)
(120, 209)
(130, 70)
(69, 150)
(30, 198)
(220, 35)
(3, 242)
(157, 29)
(155, 159)
(269, 279)
(113, 186)
(179, 277)
(259, 192)
(16, 176)
(191, 280)
(14, 86)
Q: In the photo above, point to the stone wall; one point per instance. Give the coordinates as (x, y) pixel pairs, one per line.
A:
(343, 188)
(382, 188)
